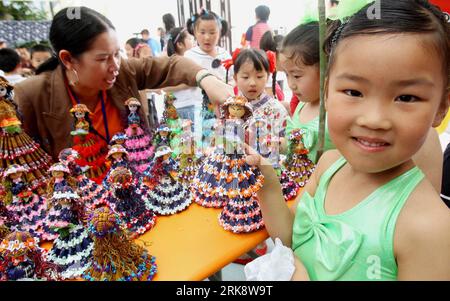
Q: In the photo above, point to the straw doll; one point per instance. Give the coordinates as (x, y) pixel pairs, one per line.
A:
(116, 257)
(16, 147)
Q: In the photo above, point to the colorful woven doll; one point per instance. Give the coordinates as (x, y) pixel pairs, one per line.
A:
(298, 166)
(224, 175)
(127, 198)
(25, 207)
(163, 135)
(189, 163)
(172, 120)
(208, 119)
(89, 144)
(138, 142)
(116, 257)
(117, 157)
(72, 249)
(167, 195)
(16, 147)
(225, 179)
(91, 194)
(23, 259)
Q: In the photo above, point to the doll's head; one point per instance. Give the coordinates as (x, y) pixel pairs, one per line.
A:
(6, 89)
(68, 155)
(163, 131)
(80, 111)
(236, 107)
(163, 153)
(15, 172)
(119, 139)
(169, 99)
(104, 222)
(59, 171)
(120, 178)
(133, 104)
(296, 139)
(117, 152)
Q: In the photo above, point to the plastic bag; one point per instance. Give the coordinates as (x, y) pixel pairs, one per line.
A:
(277, 265)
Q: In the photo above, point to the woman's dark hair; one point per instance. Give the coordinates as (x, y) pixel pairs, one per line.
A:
(397, 17)
(74, 29)
(169, 22)
(207, 15)
(302, 43)
(176, 35)
(259, 60)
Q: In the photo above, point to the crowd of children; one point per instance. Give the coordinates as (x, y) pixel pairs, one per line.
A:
(366, 205)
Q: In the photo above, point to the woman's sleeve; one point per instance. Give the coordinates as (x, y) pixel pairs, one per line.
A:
(26, 111)
(160, 72)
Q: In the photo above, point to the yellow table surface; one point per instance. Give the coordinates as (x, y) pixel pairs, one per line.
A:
(191, 245)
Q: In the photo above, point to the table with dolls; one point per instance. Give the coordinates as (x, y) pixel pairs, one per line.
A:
(178, 216)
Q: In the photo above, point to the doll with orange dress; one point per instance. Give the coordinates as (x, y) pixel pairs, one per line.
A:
(91, 147)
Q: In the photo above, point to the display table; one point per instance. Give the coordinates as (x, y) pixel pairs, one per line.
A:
(192, 246)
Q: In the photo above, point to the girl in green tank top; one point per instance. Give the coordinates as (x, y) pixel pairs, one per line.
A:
(367, 212)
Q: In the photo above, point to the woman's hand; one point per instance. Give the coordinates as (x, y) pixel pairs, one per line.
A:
(217, 90)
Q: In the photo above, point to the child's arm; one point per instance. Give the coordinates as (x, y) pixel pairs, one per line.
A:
(300, 274)
(422, 237)
(277, 216)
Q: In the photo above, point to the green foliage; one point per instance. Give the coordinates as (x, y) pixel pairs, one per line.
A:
(21, 10)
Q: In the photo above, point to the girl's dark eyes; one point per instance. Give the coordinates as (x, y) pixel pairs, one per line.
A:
(407, 98)
(353, 93)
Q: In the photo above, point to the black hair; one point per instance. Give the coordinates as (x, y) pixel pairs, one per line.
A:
(260, 63)
(398, 17)
(133, 42)
(270, 42)
(40, 48)
(9, 59)
(177, 34)
(302, 43)
(169, 22)
(334, 2)
(262, 12)
(145, 31)
(74, 29)
(207, 15)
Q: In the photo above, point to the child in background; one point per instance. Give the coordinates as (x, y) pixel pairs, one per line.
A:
(251, 71)
(11, 66)
(179, 40)
(39, 54)
(300, 59)
(269, 42)
(368, 213)
(207, 28)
